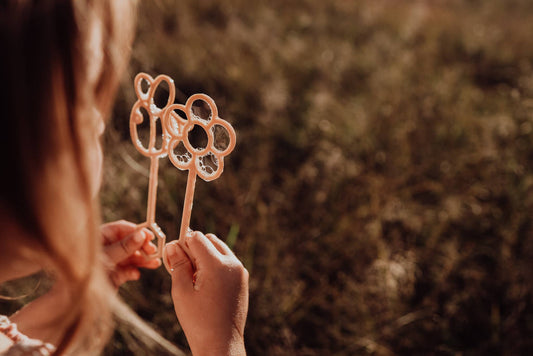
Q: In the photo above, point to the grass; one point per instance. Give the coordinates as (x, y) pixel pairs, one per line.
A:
(381, 190)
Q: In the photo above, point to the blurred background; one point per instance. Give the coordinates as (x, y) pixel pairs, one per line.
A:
(381, 189)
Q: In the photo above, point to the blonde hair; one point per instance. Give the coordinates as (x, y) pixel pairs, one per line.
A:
(59, 67)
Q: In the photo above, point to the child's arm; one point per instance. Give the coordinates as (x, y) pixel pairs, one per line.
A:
(210, 296)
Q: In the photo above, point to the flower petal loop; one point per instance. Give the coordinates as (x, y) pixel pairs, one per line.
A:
(229, 136)
(208, 160)
(145, 103)
(174, 122)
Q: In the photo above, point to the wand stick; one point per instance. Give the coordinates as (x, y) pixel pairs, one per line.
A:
(187, 204)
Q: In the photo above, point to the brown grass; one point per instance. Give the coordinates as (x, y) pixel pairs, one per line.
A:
(381, 191)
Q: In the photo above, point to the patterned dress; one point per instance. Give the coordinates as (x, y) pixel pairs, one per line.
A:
(22, 345)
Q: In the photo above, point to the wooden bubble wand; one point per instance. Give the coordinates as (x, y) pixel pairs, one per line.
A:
(145, 102)
(206, 162)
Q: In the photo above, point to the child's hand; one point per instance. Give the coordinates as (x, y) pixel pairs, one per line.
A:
(210, 294)
(122, 244)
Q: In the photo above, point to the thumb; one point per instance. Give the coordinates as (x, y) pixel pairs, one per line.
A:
(122, 249)
(179, 266)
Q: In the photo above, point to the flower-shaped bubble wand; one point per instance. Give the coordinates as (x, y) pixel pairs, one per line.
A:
(145, 108)
(206, 159)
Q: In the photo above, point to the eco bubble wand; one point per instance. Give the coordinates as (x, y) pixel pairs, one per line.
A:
(206, 162)
(145, 102)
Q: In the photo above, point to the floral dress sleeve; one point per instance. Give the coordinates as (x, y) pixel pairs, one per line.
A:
(22, 345)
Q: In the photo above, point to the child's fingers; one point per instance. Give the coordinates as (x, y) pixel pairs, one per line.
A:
(139, 260)
(201, 248)
(179, 266)
(149, 248)
(219, 244)
(148, 234)
(123, 249)
(124, 274)
(116, 230)
(151, 264)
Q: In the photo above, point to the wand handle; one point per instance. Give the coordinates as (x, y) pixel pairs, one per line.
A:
(152, 190)
(187, 204)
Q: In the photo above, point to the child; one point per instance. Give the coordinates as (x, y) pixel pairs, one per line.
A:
(59, 70)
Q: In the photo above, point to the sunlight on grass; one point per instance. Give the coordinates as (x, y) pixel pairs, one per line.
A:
(381, 189)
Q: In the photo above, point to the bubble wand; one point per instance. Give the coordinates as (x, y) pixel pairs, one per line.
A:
(206, 162)
(145, 101)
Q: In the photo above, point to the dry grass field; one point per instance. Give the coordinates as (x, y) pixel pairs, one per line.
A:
(381, 191)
